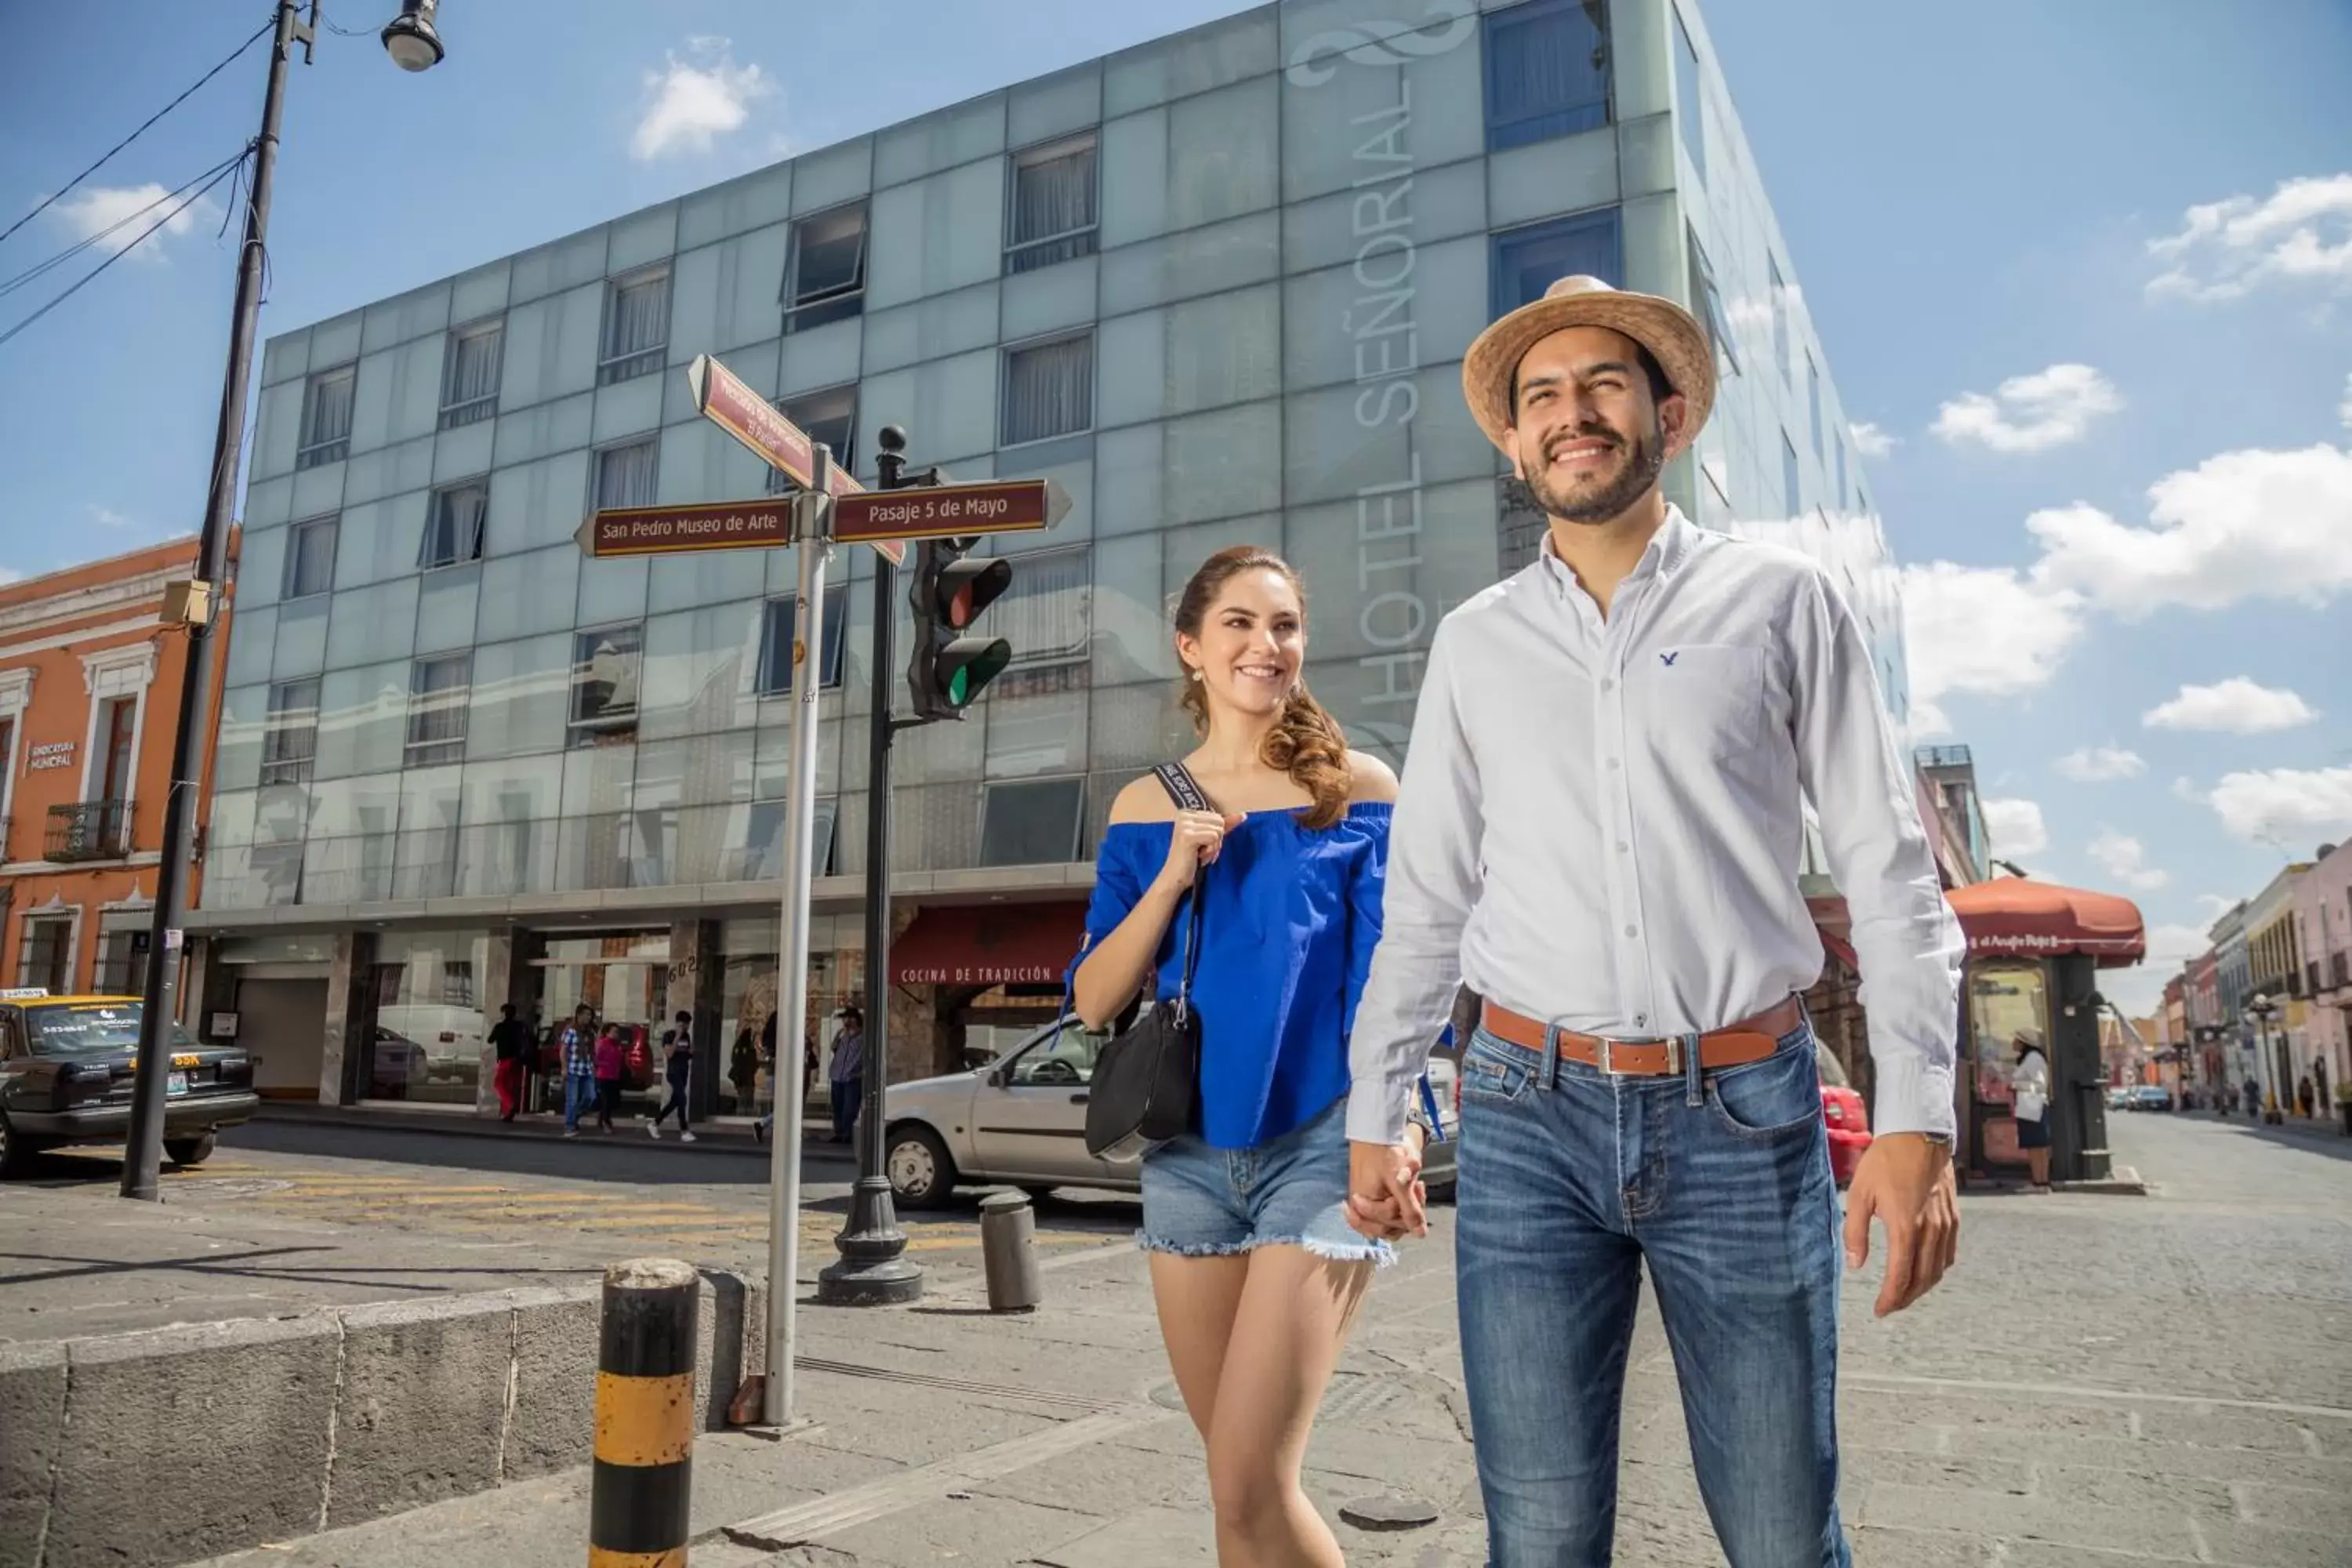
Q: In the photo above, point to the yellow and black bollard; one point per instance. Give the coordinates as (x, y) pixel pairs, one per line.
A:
(645, 1416)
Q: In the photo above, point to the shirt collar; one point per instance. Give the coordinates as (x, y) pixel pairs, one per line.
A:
(1668, 549)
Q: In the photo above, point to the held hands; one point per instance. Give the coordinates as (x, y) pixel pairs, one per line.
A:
(1193, 841)
(1905, 1179)
(1386, 1200)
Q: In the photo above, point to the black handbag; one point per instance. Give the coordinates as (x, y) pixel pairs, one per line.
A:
(1146, 1082)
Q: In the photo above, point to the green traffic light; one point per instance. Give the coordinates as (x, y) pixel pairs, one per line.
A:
(958, 685)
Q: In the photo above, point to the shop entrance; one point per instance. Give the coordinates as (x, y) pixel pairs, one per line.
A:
(622, 978)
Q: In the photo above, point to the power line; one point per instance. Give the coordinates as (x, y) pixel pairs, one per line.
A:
(127, 141)
(62, 257)
(144, 234)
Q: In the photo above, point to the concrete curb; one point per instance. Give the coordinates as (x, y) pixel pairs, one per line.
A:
(466, 1124)
(174, 1445)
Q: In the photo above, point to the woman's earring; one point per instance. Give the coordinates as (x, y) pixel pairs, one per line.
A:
(1196, 675)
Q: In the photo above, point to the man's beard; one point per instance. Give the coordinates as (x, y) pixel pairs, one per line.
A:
(1637, 473)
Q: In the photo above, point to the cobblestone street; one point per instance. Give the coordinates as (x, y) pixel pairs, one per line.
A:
(2104, 1380)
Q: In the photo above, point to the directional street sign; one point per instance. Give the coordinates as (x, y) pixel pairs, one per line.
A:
(764, 524)
(951, 511)
(721, 397)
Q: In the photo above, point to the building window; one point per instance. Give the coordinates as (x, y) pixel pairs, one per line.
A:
(1530, 260)
(624, 475)
(1686, 97)
(824, 281)
(46, 959)
(1706, 304)
(453, 525)
(1033, 822)
(776, 630)
(117, 740)
(1780, 319)
(291, 739)
(439, 690)
(1053, 215)
(310, 558)
(469, 385)
(830, 417)
(121, 963)
(1546, 71)
(1790, 489)
(1813, 405)
(1049, 390)
(606, 666)
(1045, 615)
(636, 326)
(327, 418)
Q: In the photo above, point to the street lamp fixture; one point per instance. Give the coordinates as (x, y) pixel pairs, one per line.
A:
(411, 39)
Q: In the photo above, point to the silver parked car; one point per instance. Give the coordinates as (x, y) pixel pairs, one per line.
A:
(1021, 1122)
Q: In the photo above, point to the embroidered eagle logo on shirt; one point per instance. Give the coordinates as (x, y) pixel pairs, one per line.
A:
(1668, 659)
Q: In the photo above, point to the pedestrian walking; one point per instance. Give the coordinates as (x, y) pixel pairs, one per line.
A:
(1274, 893)
(2253, 1097)
(2305, 1098)
(510, 1043)
(577, 1048)
(845, 1081)
(743, 1068)
(2029, 1087)
(763, 1125)
(677, 1071)
(808, 1067)
(1599, 830)
(610, 1059)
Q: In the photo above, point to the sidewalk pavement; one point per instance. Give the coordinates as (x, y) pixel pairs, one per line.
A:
(2098, 1384)
(721, 1135)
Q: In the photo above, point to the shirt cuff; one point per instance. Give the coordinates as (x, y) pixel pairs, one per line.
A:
(1378, 1110)
(1913, 1096)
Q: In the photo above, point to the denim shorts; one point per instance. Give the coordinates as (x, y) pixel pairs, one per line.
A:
(1291, 1191)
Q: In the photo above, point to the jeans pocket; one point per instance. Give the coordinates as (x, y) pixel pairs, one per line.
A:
(1496, 1072)
(1778, 1097)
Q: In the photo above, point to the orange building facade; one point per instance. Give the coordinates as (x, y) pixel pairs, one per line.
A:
(90, 677)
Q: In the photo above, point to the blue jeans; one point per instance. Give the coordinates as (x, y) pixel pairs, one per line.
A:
(848, 1099)
(579, 1096)
(1569, 1181)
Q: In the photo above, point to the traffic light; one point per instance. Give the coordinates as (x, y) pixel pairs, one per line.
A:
(950, 589)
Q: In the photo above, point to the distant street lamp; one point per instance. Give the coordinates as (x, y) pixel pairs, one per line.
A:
(2261, 1012)
(415, 45)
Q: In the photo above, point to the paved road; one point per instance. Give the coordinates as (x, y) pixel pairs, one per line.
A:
(288, 1216)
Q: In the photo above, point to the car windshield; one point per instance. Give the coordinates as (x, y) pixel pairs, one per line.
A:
(90, 1028)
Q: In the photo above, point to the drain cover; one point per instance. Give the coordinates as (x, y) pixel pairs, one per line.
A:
(1390, 1510)
(1168, 1396)
(1355, 1394)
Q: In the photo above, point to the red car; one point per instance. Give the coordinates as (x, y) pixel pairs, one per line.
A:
(1848, 1118)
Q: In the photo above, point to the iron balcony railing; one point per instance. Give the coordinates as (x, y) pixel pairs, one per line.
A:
(90, 830)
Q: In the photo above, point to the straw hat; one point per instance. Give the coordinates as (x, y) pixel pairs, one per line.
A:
(1660, 325)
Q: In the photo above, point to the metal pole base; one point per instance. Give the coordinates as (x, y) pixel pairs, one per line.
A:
(873, 1270)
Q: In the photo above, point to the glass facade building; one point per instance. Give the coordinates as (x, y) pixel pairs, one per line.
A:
(1219, 286)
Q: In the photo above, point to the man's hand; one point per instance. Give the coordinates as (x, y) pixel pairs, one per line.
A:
(1905, 1180)
(1385, 1199)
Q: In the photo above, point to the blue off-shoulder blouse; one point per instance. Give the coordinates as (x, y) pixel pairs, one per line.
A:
(1286, 938)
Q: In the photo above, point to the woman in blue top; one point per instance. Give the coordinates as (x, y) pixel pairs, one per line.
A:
(1255, 1269)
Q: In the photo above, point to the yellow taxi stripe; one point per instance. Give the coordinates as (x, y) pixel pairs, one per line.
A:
(643, 1420)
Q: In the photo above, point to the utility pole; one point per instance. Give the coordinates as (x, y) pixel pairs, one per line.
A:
(143, 1157)
(873, 1270)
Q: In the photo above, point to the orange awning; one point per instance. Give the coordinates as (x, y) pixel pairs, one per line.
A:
(988, 944)
(2016, 915)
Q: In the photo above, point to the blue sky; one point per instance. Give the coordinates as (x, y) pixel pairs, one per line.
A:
(2085, 268)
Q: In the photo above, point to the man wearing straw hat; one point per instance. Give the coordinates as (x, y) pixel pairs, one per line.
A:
(1600, 831)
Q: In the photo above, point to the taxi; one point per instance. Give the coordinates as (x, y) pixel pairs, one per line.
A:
(67, 1070)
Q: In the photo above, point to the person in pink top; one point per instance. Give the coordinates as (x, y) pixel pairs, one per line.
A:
(608, 1076)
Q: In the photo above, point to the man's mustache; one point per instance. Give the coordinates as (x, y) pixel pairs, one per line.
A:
(1582, 433)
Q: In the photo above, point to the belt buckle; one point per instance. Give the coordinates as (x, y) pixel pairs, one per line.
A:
(1605, 1062)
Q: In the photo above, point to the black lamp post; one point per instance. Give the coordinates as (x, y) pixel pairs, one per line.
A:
(2261, 1012)
(415, 45)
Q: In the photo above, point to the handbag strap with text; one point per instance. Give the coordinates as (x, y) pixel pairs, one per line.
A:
(1187, 794)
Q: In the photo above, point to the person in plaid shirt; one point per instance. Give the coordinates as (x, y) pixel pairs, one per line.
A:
(578, 1044)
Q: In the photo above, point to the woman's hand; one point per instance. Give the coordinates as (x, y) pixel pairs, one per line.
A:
(1195, 839)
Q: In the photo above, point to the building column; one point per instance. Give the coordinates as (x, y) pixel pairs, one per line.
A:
(698, 987)
(342, 1049)
(208, 988)
(496, 989)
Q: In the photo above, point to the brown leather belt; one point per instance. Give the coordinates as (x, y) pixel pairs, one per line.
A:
(1749, 1040)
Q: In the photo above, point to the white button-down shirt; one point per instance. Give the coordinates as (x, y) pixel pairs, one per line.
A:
(1600, 821)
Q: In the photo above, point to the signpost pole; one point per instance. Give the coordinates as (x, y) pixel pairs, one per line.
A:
(812, 545)
(873, 1269)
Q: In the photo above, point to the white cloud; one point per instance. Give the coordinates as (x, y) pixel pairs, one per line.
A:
(2302, 232)
(2293, 809)
(93, 212)
(691, 103)
(1873, 442)
(2050, 408)
(2126, 860)
(2242, 525)
(2100, 765)
(1986, 630)
(1929, 720)
(2215, 906)
(2140, 989)
(2235, 707)
(2344, 409)
(107, 517)
(2015, 828)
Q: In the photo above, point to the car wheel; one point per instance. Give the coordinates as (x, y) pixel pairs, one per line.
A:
(921, 1173)
(186, 1151)
(15, 1152)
